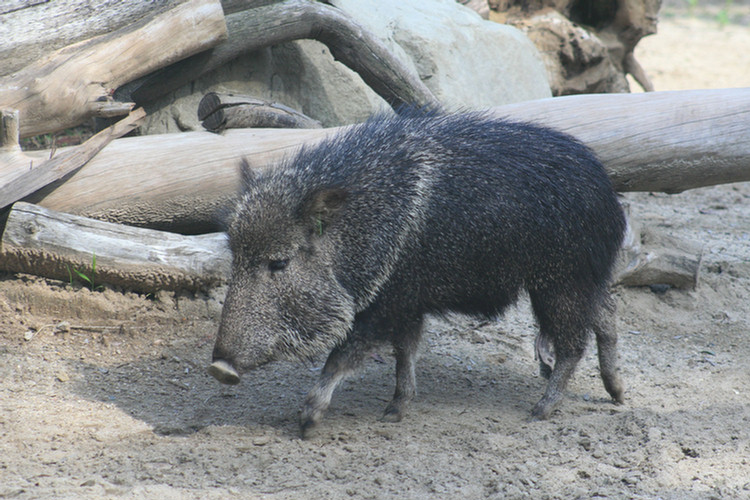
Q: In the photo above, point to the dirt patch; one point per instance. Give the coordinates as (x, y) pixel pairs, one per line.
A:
(105, 395)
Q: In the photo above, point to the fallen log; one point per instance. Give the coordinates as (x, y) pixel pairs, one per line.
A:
(653, 258)
(60, 246)
(45, 172)
(219, 112)
(65, 247)
(268, 25)
(31, 29)
(76, 82)
(660, 141)
(664, 260)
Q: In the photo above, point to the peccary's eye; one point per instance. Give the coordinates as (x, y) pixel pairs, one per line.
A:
(278, 265)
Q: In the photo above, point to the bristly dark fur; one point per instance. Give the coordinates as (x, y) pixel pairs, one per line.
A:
(398, 217)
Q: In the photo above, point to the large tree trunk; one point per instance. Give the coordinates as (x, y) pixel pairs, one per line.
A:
(66, 247)
(37, 173)
(69, 85)
(60, 246)
(31, 29)
(662, 141)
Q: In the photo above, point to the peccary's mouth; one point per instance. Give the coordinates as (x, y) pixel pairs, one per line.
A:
(224, 372)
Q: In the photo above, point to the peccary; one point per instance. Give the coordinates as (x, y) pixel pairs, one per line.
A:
(352, 241)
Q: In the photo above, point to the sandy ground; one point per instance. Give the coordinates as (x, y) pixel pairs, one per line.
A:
(105, 395)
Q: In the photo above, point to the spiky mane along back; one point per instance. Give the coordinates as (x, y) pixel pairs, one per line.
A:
(408, 172)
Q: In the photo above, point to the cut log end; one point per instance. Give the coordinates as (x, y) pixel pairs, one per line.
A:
(222, 111)
(9, 129)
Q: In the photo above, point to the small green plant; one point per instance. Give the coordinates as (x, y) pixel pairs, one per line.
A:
(723, 15)
(89, 280)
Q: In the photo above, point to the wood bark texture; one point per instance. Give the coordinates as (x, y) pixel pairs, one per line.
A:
(31, 29)
(76, 82)
(21, 177)
(55, 245)
(52, 244)
(660, 141)
(587, 47)
(663, 260)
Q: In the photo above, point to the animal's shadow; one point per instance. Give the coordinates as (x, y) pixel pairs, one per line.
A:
(177, 397)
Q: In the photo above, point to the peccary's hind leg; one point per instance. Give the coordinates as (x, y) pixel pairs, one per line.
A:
(606, 342)
(565, 364)
(342, 362)
(562, 324)
(405, 346)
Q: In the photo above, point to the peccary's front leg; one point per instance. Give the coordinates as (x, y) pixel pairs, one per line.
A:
(405, 345)
(342, 362)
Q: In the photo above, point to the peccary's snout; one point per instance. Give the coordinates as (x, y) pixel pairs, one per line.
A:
(223, 371)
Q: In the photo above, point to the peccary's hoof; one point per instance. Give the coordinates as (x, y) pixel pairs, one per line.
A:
(542, 410)
(307, 428)
(224, 373)
(392, 414)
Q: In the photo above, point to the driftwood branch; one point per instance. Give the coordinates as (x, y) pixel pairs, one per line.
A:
(653, 258)
(55, 245)
(32, 178)
(661, 141)
(222, 111)
(74, 83)
(663, 260)
(269, 25)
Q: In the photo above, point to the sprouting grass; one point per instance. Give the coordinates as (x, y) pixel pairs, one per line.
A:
(723, 15)
(87, 279)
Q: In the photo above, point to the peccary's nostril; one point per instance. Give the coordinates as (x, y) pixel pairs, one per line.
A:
(224, 372)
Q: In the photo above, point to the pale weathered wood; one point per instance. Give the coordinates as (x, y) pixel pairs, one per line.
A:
(9, 129)
(649, 257)
(669, 265)
(33, 178)
(218, 112)
(30, 29)
(74, 83)
(52, 244)
(264, 26)
(661, 141)
(176, 182)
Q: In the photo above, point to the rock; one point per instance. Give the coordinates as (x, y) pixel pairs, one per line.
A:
(300, 74)
(466, 61)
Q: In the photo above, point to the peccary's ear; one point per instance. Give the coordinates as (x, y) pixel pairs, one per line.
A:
(323, 206)
(246, 173)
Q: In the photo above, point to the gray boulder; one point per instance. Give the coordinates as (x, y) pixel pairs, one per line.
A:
(467, 62)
